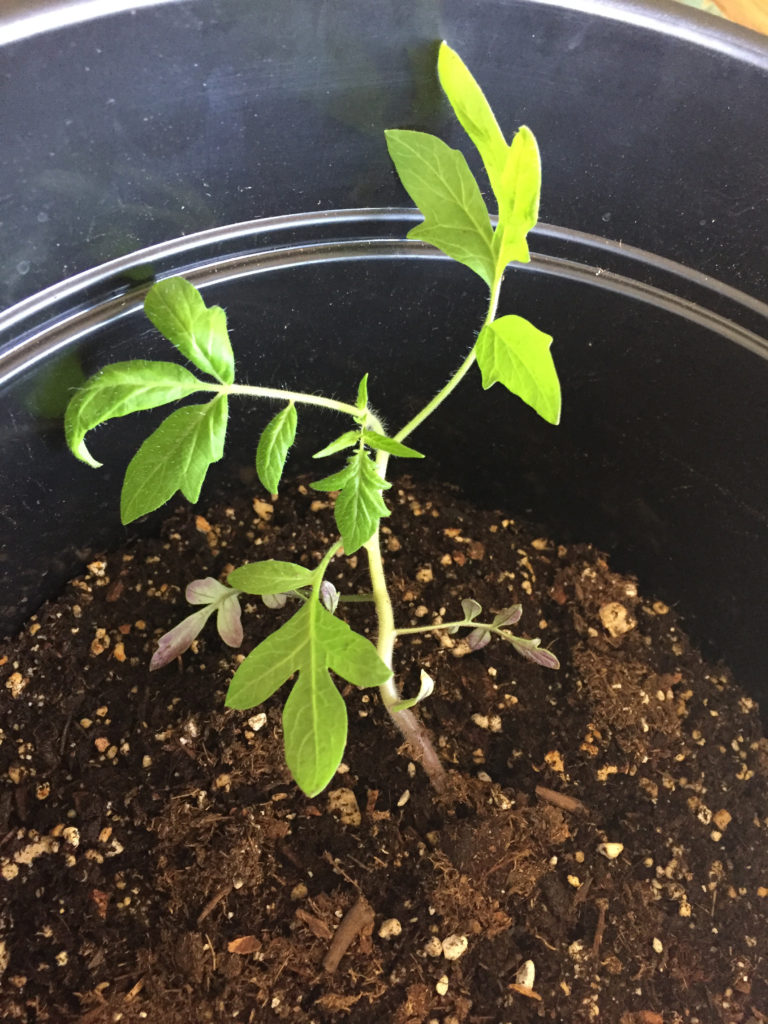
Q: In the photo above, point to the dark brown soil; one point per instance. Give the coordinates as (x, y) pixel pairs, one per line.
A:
(158, 864)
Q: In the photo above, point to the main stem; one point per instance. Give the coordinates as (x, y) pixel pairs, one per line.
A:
(406, 720)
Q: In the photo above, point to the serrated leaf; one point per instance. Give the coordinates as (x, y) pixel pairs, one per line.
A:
(360, 506)
(345, 440)
(441, 184)
(270, 577)
(473, 112)
(199, 332)
(516, 354)
(118, 390)
(382, 443)
(174, 458)
(335, 481)
(314, 719)
(273, 447)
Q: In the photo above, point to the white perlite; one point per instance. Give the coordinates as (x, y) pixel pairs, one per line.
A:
(390, 928)
(455, 946)
(526, 974)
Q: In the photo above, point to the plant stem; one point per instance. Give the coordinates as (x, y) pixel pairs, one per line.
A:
(406, 721)
(442, 625)
(458, 376)
(256, 391)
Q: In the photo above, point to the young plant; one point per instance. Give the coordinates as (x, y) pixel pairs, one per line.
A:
(314, 642)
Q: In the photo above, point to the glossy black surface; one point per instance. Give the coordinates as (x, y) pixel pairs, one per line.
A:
(127, 129)
(136, 130)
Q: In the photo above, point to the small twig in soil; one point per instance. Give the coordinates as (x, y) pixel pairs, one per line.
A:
(359, 916)
(602, 906)
(567, 803)
(64, 735)
(212, 902)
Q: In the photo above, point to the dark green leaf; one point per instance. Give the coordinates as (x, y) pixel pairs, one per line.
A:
(360, 506)
(515, 353)
(346, 440)
(118, 390)
(441, 184)
(274, 445)
(175, 457)
(335, 481)
(270, 577)
(315, 718)
(379, 442)
(199, 332)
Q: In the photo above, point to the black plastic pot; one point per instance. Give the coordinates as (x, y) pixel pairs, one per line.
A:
(189, 137)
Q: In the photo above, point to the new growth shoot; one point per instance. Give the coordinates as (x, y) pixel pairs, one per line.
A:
(315, 644)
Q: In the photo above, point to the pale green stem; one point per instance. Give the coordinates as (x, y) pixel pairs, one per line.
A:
(458, 376)
(255, 391)
(444, 625)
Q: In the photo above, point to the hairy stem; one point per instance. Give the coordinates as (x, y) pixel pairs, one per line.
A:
(458, 376)
(256, 391)
(406, 721)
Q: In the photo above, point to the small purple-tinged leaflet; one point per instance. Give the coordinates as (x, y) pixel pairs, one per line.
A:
(329, 596)
(206, 591)
(427, 685)
(179, 639)
(215, 597)
(471, 608)
(275, 601)
(531, 650)
(508, 616)
(228, 621)
(478, 639)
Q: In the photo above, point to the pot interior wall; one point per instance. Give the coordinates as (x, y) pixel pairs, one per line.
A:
(660, 458)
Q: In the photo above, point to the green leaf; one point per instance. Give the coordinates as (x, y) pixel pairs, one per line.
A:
(514, 171)
(345, 440)
(118, 390)
(515, 353)
(518, 198)
(473, 113)
(441, 184)
(359, 506)
(335, 481)
(199, 332)
(270, 577)
(380, 442)
(314, 718)
(362, 394)
(174, 458)
(274, 445)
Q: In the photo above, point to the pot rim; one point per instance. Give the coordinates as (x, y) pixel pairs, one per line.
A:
(24, 19)
(48, 320)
